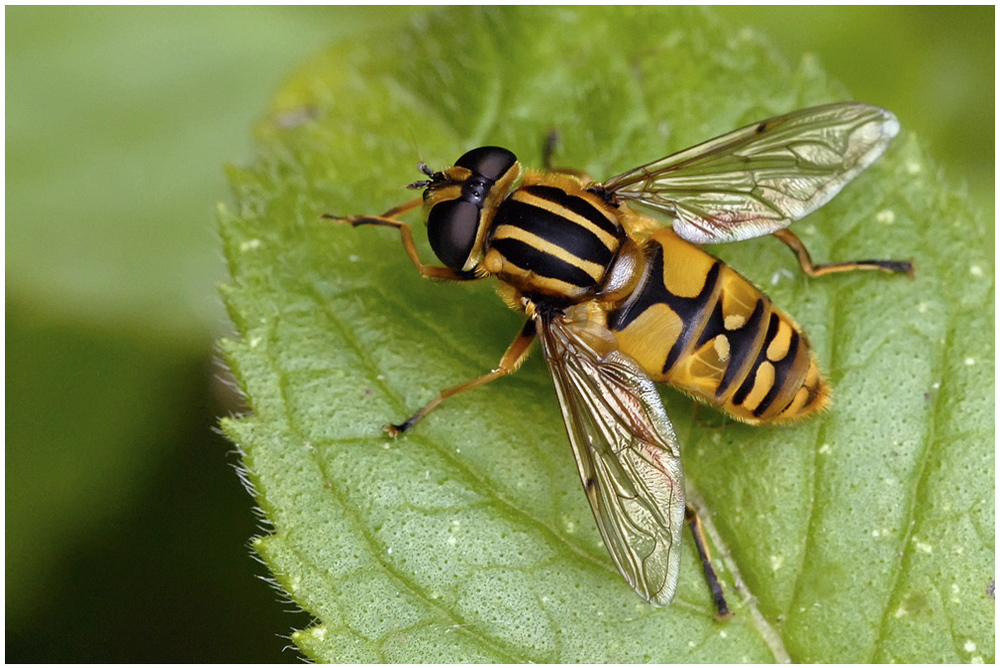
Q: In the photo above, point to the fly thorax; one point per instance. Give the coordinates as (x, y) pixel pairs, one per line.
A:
(553, 240)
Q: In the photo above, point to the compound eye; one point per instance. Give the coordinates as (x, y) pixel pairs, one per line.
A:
(489, 161)
(451, 228)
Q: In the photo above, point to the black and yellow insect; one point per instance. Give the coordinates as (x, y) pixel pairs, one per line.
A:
(619, 300)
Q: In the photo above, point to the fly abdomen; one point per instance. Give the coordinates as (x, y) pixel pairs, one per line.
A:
(553, 238)
(697, 324)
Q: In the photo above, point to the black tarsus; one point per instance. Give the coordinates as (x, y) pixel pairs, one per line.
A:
(706, 562)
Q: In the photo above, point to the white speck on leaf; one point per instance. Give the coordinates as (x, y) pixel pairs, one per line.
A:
(886, 216)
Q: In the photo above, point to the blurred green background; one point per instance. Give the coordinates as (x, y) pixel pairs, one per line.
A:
(126, 524)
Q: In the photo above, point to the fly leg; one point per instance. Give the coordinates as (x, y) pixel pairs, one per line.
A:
(694, 522)
(388, 219)
(888, 266)
(549, 149)
(516, 353)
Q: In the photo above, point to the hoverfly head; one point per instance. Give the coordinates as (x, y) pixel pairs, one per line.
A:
(461, 200)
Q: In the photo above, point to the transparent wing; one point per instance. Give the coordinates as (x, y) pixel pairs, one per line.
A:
(626, 453)
(761, 178)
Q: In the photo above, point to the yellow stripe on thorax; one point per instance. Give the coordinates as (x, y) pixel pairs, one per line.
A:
(511, 232)
(607, 239)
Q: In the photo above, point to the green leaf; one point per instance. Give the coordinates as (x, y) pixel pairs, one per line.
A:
(862, 535)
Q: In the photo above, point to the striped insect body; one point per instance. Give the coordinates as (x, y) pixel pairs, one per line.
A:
(554, 240)
(697, 324)
(620, 299)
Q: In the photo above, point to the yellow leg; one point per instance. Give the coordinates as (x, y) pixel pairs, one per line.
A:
(388, 219)
(888, 266)
(516, 353)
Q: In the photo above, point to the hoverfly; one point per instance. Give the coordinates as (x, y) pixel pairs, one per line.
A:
(620, 300)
